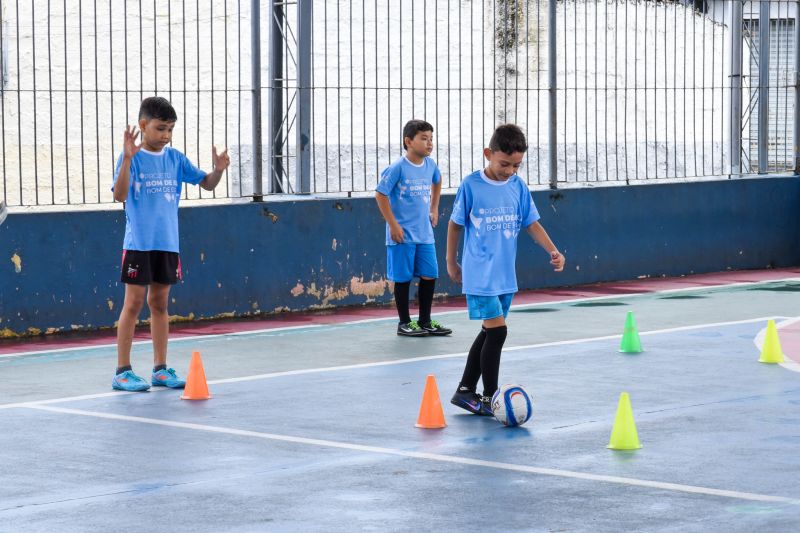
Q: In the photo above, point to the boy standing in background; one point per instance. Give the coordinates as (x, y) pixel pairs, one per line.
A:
(408, 198)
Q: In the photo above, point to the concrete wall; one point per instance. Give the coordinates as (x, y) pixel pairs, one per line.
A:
(60, 271)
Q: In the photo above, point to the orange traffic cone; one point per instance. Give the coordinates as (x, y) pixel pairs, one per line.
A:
(196, 386)
(431, 415)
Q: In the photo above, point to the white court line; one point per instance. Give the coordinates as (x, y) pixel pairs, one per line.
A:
(270, 375)
(381, 319)
(676, 487)
(149, 341)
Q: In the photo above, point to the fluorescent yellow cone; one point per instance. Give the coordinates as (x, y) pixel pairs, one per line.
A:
(630, 337)
(771, 351)
(624, 436)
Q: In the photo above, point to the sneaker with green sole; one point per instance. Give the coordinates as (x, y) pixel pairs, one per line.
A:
(434, 328)
(410, 329)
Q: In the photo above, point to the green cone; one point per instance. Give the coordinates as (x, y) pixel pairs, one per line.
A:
(630, 337)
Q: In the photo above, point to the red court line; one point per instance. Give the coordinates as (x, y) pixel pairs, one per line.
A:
(349, 314)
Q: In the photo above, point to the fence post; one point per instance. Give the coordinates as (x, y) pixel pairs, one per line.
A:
(304, 29)
(551, 75)
(797, 88)
(763, 86)
(736, 87)
(255, 53)
(275, 113)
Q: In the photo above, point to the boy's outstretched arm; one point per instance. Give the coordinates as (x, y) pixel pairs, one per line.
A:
(221, 162)
(395, 230)
(129, 149)
(453, 237)
(538, 234)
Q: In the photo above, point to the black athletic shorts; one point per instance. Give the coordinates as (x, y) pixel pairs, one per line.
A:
(154, 266)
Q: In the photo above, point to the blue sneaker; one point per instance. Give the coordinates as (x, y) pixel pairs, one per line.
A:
(128, 381)
(168, 378)
(473, 402)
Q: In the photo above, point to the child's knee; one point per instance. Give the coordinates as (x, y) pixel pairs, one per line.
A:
(133, 303)
(157, 305)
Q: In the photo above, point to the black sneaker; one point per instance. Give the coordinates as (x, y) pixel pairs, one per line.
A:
(411, 329)
(473, 402)
(434, 328)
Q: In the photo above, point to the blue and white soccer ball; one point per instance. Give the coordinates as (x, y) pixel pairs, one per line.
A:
(511, 405)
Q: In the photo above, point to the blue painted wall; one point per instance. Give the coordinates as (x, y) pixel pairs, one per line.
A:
(300, 254)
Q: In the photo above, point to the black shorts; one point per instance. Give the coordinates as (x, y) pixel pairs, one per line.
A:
(153, 266)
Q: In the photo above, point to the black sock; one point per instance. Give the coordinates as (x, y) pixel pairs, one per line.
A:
(472, 370)
(401, 301)
(425, 295)
(159, 367)
(121, 369)
(490, 358)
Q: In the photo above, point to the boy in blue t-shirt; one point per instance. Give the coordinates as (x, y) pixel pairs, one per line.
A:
(491, 207)
(408, 197)
(149, 178)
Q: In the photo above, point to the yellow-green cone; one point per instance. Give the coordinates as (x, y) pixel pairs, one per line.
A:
(771, 352)
(624, 435)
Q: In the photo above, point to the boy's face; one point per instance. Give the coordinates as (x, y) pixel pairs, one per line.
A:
(156, 133)
(421, 145)
(502, 165)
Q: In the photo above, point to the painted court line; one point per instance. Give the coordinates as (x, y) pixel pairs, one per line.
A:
(691, 489)
(381, 319)
(148, 341)
(302, 371)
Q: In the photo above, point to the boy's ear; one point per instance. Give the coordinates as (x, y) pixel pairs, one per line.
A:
(406, 140)
(142, 123)
(487, 153)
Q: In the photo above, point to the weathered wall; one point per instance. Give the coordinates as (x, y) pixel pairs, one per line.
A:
(59, 271)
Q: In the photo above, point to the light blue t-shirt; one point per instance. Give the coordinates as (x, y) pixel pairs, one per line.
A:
(408, 187)
(151, 210)
(492, 213)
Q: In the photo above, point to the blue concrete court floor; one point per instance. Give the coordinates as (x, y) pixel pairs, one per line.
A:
(312, 428)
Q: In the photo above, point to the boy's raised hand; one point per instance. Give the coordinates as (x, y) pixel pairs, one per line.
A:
(221, 161)
(557, 260)
(129, 146)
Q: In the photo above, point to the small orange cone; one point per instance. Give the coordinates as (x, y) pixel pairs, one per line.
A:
(196, 386)
(431, 415)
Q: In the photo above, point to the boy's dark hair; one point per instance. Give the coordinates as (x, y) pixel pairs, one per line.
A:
(508, 139)
(413, 127)
(157, 107)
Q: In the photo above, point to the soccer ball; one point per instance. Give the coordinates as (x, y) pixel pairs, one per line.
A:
(511, 405)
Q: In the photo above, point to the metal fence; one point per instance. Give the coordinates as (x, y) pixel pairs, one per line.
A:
(311, 97)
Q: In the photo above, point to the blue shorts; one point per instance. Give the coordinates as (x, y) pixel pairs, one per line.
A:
(405, 262)
(487, 307)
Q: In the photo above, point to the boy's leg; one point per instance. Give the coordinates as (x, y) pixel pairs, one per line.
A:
(166, 272)
(472, 370)
(496, 332)
(399, 265)
(124, 378)
(425, 294)
(157, 300)
(401, 291)
(480, 307)
(427, 269)
(134, 300)
(400, 268)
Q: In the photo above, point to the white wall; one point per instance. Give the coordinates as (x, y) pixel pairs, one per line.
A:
(639, 95)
